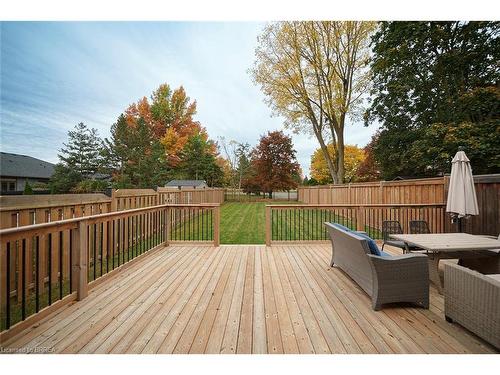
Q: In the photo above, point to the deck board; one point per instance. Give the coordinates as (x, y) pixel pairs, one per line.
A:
(242, 299)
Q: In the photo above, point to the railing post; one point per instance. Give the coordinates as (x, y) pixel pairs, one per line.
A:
(166, 227)
(79, 260)
(268, 225)
(360, 219)
(217, 226)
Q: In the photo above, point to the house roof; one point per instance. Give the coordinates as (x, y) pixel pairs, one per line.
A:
(186, 183)
(14, 165)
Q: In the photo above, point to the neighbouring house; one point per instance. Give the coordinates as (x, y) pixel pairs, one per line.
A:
(186, 184)
(16, 170)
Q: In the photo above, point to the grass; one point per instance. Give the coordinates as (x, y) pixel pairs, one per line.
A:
(244, 223)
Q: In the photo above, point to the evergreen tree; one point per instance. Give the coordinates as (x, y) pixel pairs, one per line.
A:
(82, 151)
(64, 179)
(134, 156)
(199, 161)
(28, 190)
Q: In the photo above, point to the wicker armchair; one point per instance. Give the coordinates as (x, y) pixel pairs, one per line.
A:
(386, 279)
(472, 296)
(419, 227)
(393, 227)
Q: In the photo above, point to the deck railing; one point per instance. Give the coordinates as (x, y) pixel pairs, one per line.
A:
(304, 222)
(45, 265)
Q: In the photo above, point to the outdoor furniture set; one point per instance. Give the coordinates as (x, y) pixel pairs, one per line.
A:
(471, 287)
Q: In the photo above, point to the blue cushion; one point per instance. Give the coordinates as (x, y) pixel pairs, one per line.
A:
(372, 245)
(384, 254)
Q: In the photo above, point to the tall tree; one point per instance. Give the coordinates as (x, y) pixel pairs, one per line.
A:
(230, 151)
(198, 161)
(82, 151)
(369, 169)
(354, 156)
(274, 163)
(243, 164)
(169, 115)
(64, 179)
(314, 74)
(238, 160)
(429, 73)
(136, 158)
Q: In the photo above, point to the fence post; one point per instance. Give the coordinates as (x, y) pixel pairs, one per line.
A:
(360, 219)
(79, 260)
(268, 226)
(217, 226)
(114, 203)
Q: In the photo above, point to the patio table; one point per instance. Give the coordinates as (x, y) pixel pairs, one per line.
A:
(449, 246)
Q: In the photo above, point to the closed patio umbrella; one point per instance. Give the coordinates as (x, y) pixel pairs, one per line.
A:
(462, 200)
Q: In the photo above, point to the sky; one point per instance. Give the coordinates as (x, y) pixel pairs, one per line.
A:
(57, 74)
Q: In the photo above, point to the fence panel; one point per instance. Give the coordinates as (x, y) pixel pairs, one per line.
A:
(421, 191)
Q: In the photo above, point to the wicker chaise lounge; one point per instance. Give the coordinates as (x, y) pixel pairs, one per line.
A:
(384, 278)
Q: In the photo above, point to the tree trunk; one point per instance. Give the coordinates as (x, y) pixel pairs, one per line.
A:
(329, 162)
(340, 156)
(270, 195)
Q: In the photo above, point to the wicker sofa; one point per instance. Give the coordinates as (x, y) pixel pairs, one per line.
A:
(385, 278)
(472, 296)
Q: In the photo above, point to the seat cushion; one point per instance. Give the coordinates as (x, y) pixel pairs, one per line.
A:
(385, 255)
(372, 245)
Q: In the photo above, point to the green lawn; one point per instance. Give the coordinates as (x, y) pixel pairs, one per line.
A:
(243, 223)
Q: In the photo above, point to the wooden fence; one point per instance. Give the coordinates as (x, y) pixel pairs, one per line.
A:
(20, 210)
(45, 265)
(431, 190)
(421, 191)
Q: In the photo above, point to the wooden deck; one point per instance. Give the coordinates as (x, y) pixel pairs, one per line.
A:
(241, 299)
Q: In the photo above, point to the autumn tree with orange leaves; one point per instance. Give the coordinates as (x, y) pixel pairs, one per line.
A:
(274, 164)
(152, 138)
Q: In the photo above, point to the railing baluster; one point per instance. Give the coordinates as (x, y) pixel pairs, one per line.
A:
(123, 240)
(7, 284)
(101, 239)
(37, 274)
(108, 239)
(23, 286)
(61, 265)
(49, 255)
(70, 253)
(114, 245)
